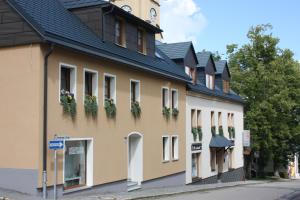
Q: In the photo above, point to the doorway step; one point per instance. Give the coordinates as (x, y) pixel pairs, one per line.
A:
(132, 186)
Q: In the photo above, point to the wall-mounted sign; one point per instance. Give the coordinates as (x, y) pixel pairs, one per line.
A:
(56, 144)
(246, 138)
(196, 146)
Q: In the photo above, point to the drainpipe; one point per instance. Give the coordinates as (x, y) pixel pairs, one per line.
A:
(103, 21)
(45, 120)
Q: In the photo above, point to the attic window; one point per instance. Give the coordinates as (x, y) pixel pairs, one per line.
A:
(141, 41)
(119, 32)
(226, 86)
(210, 81)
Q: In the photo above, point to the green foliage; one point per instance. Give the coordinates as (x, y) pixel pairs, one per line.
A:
(213, 131)
(199, 129)
(231, 131)
(268, 78)
(221, 132)
(91, 106)
(68, 103)
(195, 133)
(136, 109)
(175, 112)
(110, 108)
(166, 112)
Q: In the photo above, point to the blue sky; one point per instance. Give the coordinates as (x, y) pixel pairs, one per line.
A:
(215, 23)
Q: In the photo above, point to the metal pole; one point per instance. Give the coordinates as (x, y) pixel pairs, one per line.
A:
(55, 175)
(44, 185)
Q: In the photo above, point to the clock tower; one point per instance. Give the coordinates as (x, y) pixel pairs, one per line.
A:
(148, 10)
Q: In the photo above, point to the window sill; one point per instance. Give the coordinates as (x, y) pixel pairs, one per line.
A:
(121, 45)
(142, 53)
(165, 161)
(175, 160)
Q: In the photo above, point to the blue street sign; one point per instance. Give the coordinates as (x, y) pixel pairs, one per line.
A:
(56, 144)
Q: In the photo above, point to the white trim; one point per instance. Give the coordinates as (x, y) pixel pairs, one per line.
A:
(167, 148)
(177, 97)
(74, 67)
(139, 91)
(176, 157)
(95, 93)
(115, 88)
(141, 154)
(168, 99)
(89, 160)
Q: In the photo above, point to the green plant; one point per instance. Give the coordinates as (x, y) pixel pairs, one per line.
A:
(213, 131)
(110, 108)
(166, 112)
(221, 132)
(231, 132)
(135, 109)
(195, 133)
(199, 129)
(90, 105)
(68, 103)
(175, 112)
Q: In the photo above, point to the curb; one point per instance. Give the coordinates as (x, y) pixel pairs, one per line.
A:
(192, 191)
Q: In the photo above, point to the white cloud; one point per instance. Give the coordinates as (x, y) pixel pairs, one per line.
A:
(181, 20)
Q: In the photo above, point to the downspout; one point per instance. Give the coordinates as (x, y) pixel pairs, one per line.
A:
(45, 120)
(103, 21)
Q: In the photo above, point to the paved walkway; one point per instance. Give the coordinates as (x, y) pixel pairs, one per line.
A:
(139, 194)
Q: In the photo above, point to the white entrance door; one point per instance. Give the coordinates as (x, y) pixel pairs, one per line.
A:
(135, 158)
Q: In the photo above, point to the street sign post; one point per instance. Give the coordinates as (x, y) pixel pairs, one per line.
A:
(56, 144)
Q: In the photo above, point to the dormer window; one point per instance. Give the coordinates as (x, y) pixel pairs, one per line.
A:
(119, 32)
(210, 81)
(226, 86)
(188, 71)
(141, 41)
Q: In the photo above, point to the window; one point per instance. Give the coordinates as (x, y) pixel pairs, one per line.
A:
(188, 71)
(109, 87)
(165, 97)
(141, 41)
(175, 153)
(193, 118)
(199, 120)
(220, 119)
(134, 91)
(195, 165)
(119, 32)
(212, 118)
(230, 157)
(213, 159)
(210, 81)
(232, 120)
(166, 148)
(90, 83)
(228, 120)
(174, 98)
(67, 79)
(226, 86)
(127, 8)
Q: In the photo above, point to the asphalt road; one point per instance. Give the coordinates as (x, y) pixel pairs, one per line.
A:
(268, 191)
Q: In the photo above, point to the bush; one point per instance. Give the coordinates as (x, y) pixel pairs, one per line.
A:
(90, 105)
(135, 109)
(68, 103)
(175, 112)
(166, 112)
(110, 108)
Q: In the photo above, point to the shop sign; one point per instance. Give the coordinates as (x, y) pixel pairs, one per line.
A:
(246, 138)
(197, 147)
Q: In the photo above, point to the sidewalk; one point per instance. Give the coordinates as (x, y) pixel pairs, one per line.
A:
(139, 194)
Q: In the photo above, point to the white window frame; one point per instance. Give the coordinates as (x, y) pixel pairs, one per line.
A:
(175, 151)
(177, 97)
(95, 83)
(73, 79)
(188, 71)
(89, 163)
(168, 97)
(114, 95)
(166, 149)
(138, 95)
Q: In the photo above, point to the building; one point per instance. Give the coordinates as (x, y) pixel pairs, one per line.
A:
(148, 10)
(89, 73)
(214, 118)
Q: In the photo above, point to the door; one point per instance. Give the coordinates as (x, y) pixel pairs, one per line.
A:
(195, 166)
(135, 158)
(220, 160)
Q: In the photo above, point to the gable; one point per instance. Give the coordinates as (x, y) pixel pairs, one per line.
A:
(210, 67)
(226, 74)
(190, 59)
(14, 30)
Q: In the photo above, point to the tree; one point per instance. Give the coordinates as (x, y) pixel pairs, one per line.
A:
(269, 80)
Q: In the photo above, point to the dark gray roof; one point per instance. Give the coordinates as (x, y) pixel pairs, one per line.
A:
(175, 50)
(217, 92)
(203, 58)
(220, 65)
(219, 141)
(70, 4)
(57, 25)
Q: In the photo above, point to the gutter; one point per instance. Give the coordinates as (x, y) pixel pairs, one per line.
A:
(45, 119)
